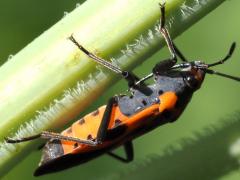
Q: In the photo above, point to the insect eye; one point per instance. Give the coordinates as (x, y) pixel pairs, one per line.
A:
(191, 81)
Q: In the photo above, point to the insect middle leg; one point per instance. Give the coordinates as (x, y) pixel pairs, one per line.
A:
(129, 76)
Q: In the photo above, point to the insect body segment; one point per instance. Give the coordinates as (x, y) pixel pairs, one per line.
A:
(126, 117)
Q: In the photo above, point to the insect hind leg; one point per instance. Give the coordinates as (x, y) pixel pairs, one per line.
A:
(101, 135)
(12, 141)
(51, 135)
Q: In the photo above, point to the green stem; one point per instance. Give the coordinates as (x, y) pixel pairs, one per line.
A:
(50, 81)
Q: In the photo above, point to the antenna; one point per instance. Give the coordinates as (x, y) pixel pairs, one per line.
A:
(230, 52)
(210, 71)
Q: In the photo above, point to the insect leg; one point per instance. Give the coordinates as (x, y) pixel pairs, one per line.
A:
(128, 148)
(96, 58)
(102, 131)
(129, 76)
(161, 67)
(51, 135)
(165, 65)
(10, 140)
(100, 135)
(179, 53)
(166, 35)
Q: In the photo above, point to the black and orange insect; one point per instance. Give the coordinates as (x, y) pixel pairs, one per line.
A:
(127, 117)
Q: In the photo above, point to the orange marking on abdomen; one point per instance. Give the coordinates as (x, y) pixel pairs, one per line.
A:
(82, 130)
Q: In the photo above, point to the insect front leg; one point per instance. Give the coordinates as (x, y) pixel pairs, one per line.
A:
(163, 30)
(179, 53)
(167, 64)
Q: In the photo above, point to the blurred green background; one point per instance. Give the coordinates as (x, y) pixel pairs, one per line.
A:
(211, 119)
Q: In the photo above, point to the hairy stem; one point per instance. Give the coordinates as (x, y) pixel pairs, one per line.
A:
(50, 81)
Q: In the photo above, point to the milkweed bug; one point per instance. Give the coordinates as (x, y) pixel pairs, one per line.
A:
(127, 117)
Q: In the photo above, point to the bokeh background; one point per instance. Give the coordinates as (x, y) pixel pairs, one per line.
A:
(197, 146)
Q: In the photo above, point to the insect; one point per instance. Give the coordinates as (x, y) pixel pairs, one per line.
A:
(126, 117)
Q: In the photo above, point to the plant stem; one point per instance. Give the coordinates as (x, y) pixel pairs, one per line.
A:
(50, 81)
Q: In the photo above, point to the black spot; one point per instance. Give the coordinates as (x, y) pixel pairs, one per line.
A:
(144, 102)
(115, 132)
(81, 121)
(117, 122)
(89, 137)
(160, 92)
(95, 113)
(75, 145)
(69, 130)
